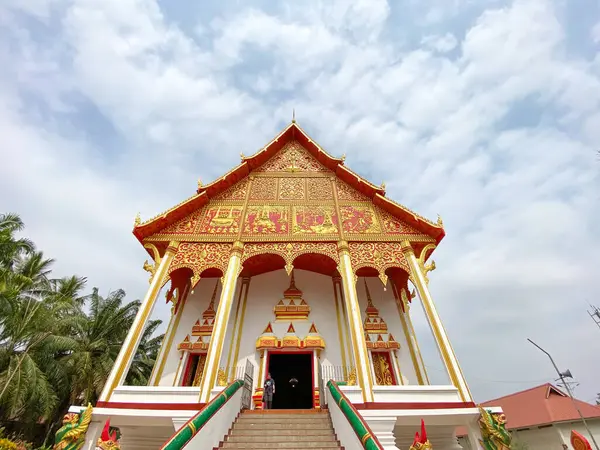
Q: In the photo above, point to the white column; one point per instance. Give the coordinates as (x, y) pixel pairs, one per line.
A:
(357, 334)
(383, 429)
(439, 333)
(183, 362)
(474, 436)
(130, 345)
(92, 435)
(215, 349)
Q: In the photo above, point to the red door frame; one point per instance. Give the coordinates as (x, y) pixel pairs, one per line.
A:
(188, 365)
(296, 352)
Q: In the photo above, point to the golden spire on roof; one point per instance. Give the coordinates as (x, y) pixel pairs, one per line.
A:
(199, 183)
(137, 220)
(293, 115)
(440, 222)
(383, 185)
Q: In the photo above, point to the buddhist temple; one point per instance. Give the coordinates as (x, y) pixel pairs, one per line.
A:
(291, 266)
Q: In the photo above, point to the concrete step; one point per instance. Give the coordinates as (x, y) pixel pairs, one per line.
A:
(283, 432)
(283, 425)
(282, 419)
(286, 445)
(284, 416)
(292, 438)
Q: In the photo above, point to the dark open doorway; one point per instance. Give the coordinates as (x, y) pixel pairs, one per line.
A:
(284, 367)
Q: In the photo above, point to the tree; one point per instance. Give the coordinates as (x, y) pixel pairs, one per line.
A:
(57, 344)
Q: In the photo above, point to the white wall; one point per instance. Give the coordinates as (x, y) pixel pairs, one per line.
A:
(193, 308)
(264, 293)
(386, 303)
(593, 424)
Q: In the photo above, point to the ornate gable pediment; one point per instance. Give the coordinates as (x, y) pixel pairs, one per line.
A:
(287, 192)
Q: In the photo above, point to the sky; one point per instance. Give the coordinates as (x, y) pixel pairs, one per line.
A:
(483, 111)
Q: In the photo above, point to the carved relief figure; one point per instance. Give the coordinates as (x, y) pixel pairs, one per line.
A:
(71, 436)
(359, 219)
(315, 220)
(266, 219)
(221, 219)
(493, 431)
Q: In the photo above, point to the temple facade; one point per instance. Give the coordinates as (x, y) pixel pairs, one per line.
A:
(290, 265)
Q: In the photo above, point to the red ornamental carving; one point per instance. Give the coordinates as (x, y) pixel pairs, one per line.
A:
(201, 256)
(359, 219)
(379, 255)
(186, 225)
(391, 225)
(291, 250)
(267, 219)
(263, 188)
(235, 192)
(315, 220)
(345, 192)
(319, 189)
(292, 158)
(221, 220)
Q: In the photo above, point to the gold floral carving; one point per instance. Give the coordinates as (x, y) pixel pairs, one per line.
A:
(319, 189)
(391, 225)
(291, 189)
(345, 192)
(266, 219)
(381, 366)
(378, 255)
(201, 256)
(315, 220)
(291, 250)
(292, 158)
(235, 192)
(359, 219)
(263, 188)
(187, 225)
(221, 220)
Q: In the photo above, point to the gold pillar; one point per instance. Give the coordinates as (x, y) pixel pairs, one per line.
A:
(439, 333)
(130, 345)
(165, 347)
(357, 334)
(409, 335)
(215, 349)
(341, 324)
(236, 332)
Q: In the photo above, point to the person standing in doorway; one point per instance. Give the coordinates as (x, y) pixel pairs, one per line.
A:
(269, 391)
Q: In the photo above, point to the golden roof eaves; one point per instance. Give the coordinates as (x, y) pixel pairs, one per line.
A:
(164, 213)
(409, 211)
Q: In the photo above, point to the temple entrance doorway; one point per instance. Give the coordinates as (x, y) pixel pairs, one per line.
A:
(293, 375)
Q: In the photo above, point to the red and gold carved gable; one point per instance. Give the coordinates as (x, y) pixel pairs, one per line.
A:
(292, 158)
(236, 192)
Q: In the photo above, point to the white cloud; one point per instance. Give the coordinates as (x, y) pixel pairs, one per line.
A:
(498, 136)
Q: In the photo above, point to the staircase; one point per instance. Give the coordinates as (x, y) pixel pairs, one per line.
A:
(282, 429)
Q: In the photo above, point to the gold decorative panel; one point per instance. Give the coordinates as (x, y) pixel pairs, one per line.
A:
(235, 192)
(292, 158)
(359, 219)
(291, 189)
(315, 219)
(319, 189)
(263, 188)
(345, 192)
(266, 219)
(221, 220)
(186, 225)
(391, 225)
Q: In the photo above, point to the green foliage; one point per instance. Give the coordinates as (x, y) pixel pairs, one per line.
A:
(57, 344)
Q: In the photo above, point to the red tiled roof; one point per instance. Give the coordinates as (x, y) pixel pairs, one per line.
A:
(537, 406)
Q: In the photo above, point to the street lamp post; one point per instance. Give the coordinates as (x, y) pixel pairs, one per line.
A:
(562, 376)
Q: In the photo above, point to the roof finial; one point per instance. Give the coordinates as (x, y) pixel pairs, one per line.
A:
(199, 183)
(343, 158)
(383, 185)
(440, 222)
(293, 115)
(137, 220)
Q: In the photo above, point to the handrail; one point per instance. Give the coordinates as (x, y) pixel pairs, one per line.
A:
(192, 426)
(358, 424)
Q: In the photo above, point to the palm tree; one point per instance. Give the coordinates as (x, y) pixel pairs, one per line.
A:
(146, 355)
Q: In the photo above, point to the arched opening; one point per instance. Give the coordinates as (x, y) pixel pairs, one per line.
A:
(263, 263)
(316, 262)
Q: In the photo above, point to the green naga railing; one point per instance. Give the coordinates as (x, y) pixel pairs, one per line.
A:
(356, 421)
(191, 428)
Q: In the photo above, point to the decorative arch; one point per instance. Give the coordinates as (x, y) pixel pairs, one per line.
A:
(378, 255)
(291, 250)
(200, 256)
